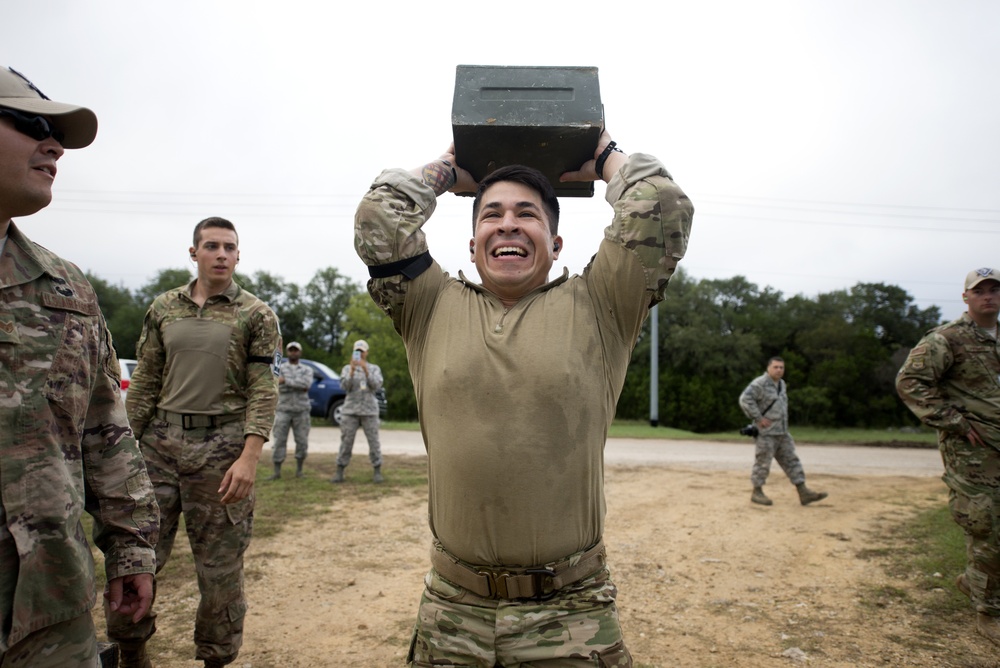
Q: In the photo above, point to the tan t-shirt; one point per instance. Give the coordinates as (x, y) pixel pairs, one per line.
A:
(515, 403)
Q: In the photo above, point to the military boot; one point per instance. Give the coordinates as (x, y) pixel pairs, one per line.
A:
(963, 585)
(378, 475)
(339, 477)
(298, 468)
(807, 496)
(133, 655)
(758, 496)
(277, 472)
(988, 627)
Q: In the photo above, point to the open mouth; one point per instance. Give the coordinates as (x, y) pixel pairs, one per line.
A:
(509, 251)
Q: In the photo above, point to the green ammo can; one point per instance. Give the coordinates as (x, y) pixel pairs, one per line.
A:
(549, 118)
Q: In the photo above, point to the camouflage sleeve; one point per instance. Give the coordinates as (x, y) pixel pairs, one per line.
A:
(297, 376)
(147, 379)
(374, 377)
(919, 385)
(346, 379)
(387, 228)
(117, 489)
(262, 379)
(748, 402)
(652, 219)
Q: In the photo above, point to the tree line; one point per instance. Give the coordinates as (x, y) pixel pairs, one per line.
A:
(841, 349)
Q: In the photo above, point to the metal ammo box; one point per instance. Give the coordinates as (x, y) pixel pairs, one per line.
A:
(549, 118)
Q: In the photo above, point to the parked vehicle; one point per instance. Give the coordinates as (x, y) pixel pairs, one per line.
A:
(326, 397)
(127, 367)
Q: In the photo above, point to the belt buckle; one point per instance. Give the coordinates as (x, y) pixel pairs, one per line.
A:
(538, 576)
(497, 583)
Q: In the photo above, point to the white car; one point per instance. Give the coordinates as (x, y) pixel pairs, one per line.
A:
(128, 366)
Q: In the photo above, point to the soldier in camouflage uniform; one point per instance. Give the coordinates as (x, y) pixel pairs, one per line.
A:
(294, 381)
(65, 443)
(951, 381)
(202, 402)
(517, 380)
(765, 401)
(361, 380)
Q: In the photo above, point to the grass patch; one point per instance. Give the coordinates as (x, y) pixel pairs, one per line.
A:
(282, 501)
(924, 555)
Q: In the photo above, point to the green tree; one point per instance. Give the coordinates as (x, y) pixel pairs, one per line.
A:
(364, 320)
(285, 300)
(122, 314)
(328, 294)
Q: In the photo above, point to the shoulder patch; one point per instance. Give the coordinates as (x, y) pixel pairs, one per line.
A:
(276, 366)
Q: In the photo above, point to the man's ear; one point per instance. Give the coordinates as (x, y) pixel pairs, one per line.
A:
(556, 247)
(472, 249)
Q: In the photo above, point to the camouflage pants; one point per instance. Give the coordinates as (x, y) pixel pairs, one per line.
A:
(781, 448)
(348, 428)
(69, 644)
(972, 474)
(186, 467)
(299, 423)
(579, 627)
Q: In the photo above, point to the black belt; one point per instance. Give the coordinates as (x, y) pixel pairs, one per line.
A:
(536, 583)
(192, 421)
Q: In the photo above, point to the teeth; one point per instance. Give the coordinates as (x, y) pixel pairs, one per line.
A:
(509, 250)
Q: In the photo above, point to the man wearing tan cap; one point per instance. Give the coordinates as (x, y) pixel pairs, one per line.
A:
(294, 381)
(65, 442)
(951, 381)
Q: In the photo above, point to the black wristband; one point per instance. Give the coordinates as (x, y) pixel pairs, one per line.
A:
(603, 157)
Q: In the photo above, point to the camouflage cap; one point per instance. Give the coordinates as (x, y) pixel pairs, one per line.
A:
(361, 345)
(977, 276)
(78, 124)
(294, 344)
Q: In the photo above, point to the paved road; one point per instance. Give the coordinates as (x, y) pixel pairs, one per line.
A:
(712, 455)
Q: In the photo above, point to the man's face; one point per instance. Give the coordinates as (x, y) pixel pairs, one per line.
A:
(217, 254)
(513, 247)
(294, 354)
(983, 300)
(776, 370)
(27, 171)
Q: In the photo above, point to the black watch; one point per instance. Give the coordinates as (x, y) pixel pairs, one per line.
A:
(603, 157)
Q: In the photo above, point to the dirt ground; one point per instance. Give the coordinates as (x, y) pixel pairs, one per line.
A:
(706, 579)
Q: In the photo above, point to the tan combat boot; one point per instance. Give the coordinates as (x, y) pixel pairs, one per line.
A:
(807, 496)
(989, 627)
(963, 585)
(758, 496)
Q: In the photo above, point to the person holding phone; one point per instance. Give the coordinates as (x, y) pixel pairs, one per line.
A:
(361, 381)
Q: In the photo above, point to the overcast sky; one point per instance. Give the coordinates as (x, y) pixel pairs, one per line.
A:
(823, 143)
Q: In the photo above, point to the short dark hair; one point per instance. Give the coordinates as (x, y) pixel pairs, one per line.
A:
(529, 177)
(214, 221)
(775, 359)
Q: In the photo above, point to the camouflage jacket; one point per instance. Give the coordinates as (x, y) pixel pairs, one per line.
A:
(361, 388)
(293, 394)
(515, 402)
(65, 447)
(253, 353)
(951, 380)
(762, 393)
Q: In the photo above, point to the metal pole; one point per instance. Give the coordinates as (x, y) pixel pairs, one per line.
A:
(654, 366)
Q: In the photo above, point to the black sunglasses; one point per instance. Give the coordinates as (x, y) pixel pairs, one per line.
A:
(36, 127)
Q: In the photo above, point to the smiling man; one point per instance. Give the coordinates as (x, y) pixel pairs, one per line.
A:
(65, 443)
(202, 402)
(951, 381)
(517, 380)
